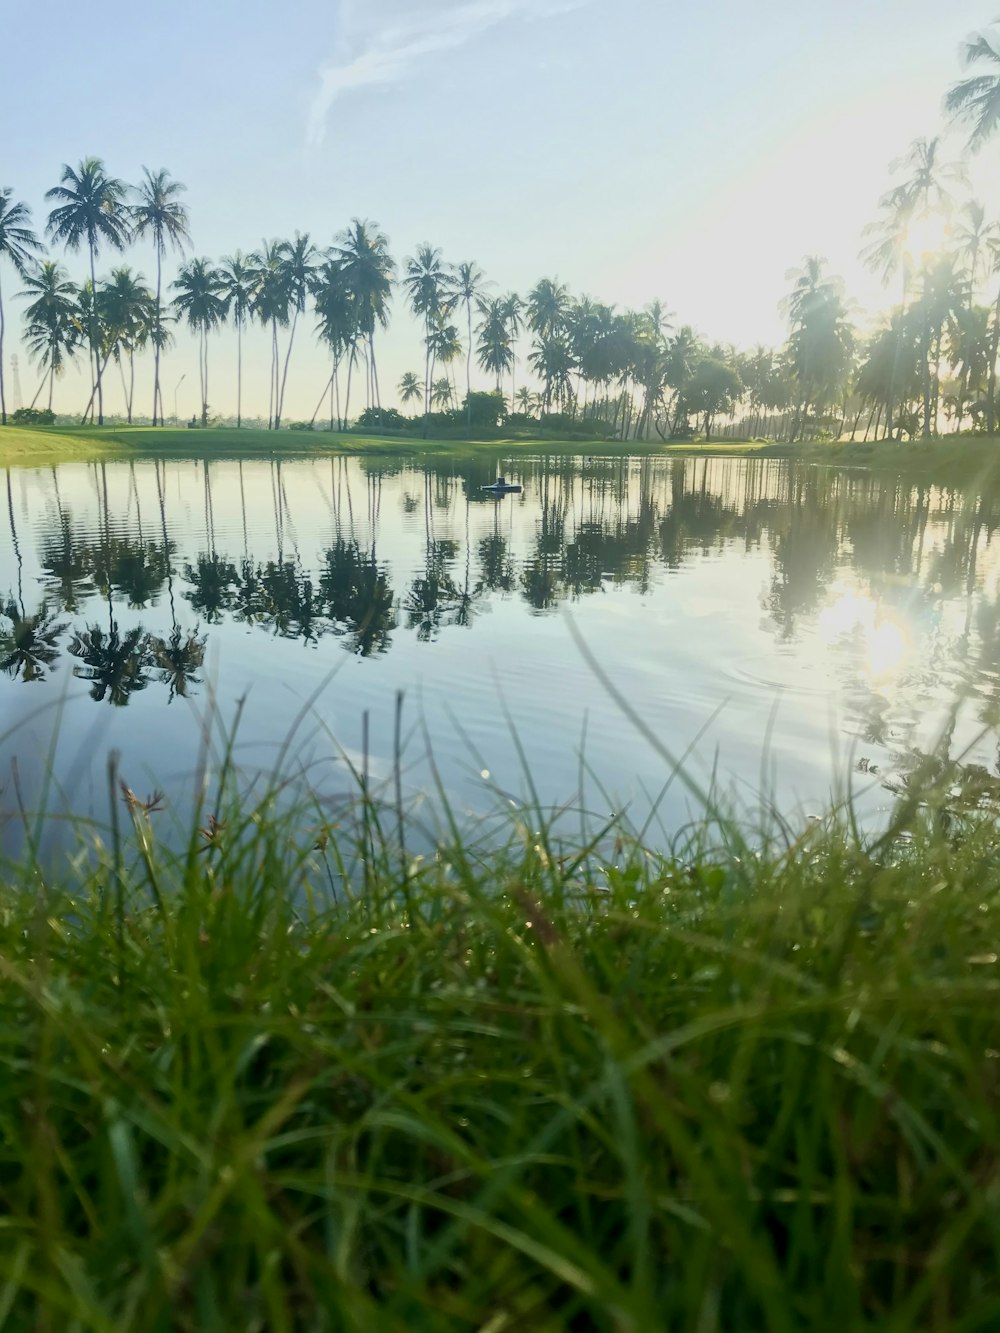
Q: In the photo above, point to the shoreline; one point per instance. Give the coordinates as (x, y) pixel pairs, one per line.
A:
(961, 462)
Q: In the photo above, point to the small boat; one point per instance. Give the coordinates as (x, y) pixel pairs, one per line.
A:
(503, 487)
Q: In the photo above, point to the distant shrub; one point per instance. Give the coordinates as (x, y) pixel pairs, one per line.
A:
(301, 425)
(574, 428)
(483, 410)
(33, 416)
(382, 418)
(437, 421)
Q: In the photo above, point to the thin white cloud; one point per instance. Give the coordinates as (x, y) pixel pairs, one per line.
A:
(371, 54)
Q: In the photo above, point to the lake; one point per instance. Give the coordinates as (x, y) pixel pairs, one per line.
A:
(799, 627)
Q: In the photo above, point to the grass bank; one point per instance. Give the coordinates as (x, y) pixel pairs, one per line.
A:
(518, 1088)
(30, 446)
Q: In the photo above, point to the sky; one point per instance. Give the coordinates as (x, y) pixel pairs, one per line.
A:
(635, 149)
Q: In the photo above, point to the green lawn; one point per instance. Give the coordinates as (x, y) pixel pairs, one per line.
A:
(24, 446)
(538, 1087)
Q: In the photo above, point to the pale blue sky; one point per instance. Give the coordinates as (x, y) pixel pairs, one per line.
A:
(634, 149)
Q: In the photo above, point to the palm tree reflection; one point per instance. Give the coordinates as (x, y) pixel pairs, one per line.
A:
(115, 664)
(29, 649)
(178, 658)
(354, 593)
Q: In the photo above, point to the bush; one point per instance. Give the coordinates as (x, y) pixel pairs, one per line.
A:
(488, 410)
(33, 416)
(382, 418)
(575, 428)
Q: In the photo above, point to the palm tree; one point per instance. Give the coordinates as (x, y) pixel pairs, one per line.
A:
(926, 191)
(237, 287)
(976, 99)
(200, 299)
(425, 286)
(272, 301)
(493, 350)
(973, 238)
(446, 347)
(822, 340)
(51, 330)
(513, 306)
(298, 260)
(929, 184)
(548, 307)
(158, 213)
(91, 208)
(552, 361)
(128, 316)
(18, 245)
(468, 285)
(968, 343)
(526, 402)
(369, 269)
(410, 387)
(337, 316)
(441, 394)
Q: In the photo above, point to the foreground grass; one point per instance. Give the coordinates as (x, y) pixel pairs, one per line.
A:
(518, 1087)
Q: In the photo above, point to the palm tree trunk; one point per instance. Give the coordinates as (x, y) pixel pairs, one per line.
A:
(89, 409)
(156, 343)
(3, 401)
(131, 382)
(926, 432)
(204, 401)
(239, 373)
(201, 372)
(319, 404)
(95, 347)
(992, 385)
(427, 372)
(270, 395)
(468, 370)
(378, 396)
(284, 376)
(336, 390)
(350, 372)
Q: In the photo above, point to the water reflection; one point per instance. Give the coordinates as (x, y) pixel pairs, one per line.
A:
(128, 572)
(29, 648)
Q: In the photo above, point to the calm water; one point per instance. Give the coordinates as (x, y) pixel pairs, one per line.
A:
(831, 617)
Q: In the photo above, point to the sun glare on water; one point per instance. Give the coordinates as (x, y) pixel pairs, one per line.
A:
(884, 639)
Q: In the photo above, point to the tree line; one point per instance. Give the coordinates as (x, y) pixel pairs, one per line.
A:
(631, 373)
